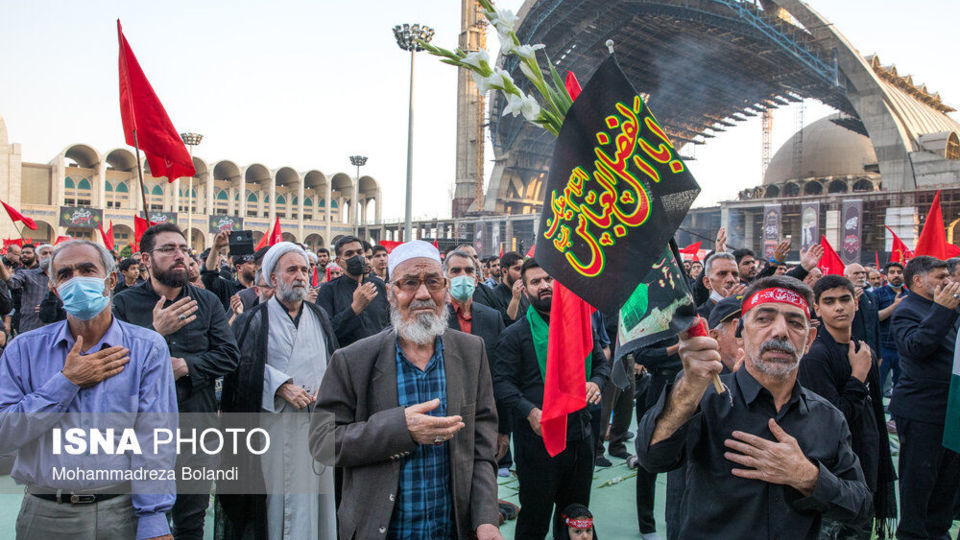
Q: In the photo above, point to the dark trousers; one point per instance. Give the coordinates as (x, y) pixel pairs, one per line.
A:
(929, 475)
(647, 481)
(890, 364)
(620, 403)
(547, 482)
(189, 510)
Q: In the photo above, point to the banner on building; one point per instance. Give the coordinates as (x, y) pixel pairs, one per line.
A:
(163, 217)
(809, 224)
(772, 214)
(80, 217)
(851, 225)
(220, 224)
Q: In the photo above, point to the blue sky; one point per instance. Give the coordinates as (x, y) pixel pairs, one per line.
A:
(308, 83)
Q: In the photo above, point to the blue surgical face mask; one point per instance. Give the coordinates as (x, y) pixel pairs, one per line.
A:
(462, 287)
(83, 297)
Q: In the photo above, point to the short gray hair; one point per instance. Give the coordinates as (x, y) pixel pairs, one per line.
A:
(465, 255)
(717, 256)
(106, 258)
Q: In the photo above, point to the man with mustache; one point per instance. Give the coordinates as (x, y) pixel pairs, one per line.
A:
(888, 298)
(202, 349)
(924, 329)
(866, 325)
(409, 415)
(843, 370)
(356, 302)
(767, 458)
(244, 265)
(29, 286)
(286, 343)
(547, 484)
(721, 277)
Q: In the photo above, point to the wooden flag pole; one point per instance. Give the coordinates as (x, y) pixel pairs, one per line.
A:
(143, 188)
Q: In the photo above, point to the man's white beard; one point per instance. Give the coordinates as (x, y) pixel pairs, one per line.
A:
(421, 329)
(291, 293)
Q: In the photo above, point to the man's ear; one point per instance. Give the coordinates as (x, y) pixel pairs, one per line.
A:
(110, 282)
(811, 335)
(706, 281)
(816, 308)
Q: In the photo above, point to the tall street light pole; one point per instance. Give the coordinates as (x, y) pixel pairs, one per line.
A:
(408, 39)
(357, 161)
(190, 139)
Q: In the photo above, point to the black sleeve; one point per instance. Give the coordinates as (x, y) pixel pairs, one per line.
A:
(848, 395)
(669, 453)
(600, 366)
(768, 270)
(798, 272)
(222, 355)
(51, 309)
(507, 369)
(217, 285)
(346, 322)
(6, 300)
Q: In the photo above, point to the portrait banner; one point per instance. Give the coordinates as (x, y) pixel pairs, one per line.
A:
(772, 216)
(809, 224)
(851, 227)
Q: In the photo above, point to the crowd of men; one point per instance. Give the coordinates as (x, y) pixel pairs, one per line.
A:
(396, 386)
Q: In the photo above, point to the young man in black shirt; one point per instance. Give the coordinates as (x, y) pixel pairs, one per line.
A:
(766, 458)
(356, 302)
(508, 297)
(843, 370)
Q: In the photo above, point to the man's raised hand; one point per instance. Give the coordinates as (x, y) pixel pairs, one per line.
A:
(426, 429)
(85, 370)
(179, 314)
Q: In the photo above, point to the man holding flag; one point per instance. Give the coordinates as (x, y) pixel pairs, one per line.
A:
(519, 374)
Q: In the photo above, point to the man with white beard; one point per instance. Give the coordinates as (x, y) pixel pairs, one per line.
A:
(285, 344)
(411, 416)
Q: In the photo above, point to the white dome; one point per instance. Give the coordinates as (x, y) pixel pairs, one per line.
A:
(828, 150)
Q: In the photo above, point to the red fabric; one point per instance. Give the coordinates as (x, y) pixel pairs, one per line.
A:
(953, 251)
(532, 250)
(464, 319)
(12, 241)
(436, 245)
(17, 216)
(315, 280)
(900, 252)
(389, 244)
(876, 259)
(564, 389)
(501, 250)
(61, 239)
(263, 241)
(277, 235)
(775, 295)
(572, 85)
(585, 523)
(143, 113)
(933, 237)
(692, 249)
(140, 226)
(106, 236)
(831, 263)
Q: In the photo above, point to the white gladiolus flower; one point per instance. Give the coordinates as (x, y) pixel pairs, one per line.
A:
(527, 71)
(514, 104)
(504, 21)
(476, 59)
(530, 108)
(498, 79)
(527, 52)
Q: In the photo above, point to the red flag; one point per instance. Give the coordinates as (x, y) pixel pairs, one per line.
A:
(953, 251)
(143, 113)
(17, 216)
(140, 226)
(933, 237)
(436, 245)
(531, 251)
(315, 280)
(107, 236)
(501, 250)
(564, 389)
(831, 263)
(61, 239)
(7, 242)
(572, 85)
(692, 249)
(263, 241)
(277, 235)
(389, 244)
(899, 252)
(876, 259)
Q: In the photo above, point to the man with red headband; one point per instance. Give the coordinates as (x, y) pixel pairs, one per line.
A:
(766, 458)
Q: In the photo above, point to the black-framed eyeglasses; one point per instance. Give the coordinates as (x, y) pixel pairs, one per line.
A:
(412, 285)
(169, 249)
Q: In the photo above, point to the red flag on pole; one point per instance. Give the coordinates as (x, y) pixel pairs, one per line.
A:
(263, 241)
(389, 245)
(17, 216)
(830, 263)
(572, 85)
(899, 252)
(107, 236)
(315, 280)
(876, 259)
(277, 235)
(61, 239)
(564, 389)
(692, 249)
(532, 250)
(143, 114)
(140, 226)
(933, 237)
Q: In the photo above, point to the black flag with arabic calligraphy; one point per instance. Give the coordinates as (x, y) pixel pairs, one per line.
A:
(616, 192)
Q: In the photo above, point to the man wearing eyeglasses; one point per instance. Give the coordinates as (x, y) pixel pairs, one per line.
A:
(412, 417)
(202, 347)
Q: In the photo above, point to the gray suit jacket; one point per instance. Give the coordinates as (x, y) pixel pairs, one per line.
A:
(357, 404)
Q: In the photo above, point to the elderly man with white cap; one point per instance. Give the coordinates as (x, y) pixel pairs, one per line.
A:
(285, 345)
(412, 417)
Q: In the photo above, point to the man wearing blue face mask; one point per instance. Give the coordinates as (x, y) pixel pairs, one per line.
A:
(90, 363)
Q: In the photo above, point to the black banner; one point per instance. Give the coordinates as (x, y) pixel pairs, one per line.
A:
(615, 195)
(225, 223)
(80, 217)
(163, 217)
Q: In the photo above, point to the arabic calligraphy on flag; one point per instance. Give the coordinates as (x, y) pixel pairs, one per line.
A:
(615, 195)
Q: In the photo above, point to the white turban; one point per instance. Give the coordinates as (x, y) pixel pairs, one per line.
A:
(312, 257)
(415, 249)
(41, 246)
(275, 252)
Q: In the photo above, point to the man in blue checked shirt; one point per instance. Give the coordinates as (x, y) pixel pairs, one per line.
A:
(90, 363)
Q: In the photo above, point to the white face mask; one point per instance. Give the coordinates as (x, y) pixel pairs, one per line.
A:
(715, 296)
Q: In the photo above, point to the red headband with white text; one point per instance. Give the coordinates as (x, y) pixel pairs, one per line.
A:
(582, 523)
(776, 295)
